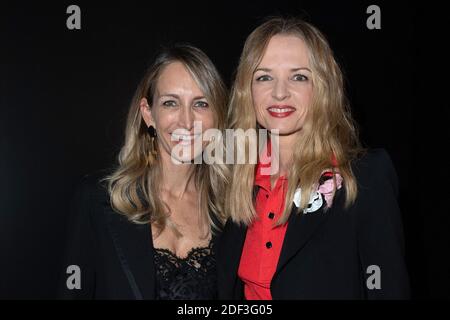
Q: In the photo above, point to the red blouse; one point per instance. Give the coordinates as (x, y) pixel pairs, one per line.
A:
(263, 241)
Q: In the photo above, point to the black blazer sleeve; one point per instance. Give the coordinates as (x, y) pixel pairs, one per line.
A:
(380, 232)
(80, 249)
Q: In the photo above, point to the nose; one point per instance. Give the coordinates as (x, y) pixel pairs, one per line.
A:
(280, 90)
(186, 119)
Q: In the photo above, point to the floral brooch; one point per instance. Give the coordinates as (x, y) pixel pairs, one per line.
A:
(325, 192)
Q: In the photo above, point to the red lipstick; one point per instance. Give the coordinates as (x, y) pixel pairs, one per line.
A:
(280, 111)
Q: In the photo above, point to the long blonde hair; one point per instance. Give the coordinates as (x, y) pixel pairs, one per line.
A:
(134, 186)
(328, 132)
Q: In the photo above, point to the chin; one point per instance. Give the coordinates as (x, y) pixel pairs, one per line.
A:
(284, 131)
(287, 132)
(186, 155)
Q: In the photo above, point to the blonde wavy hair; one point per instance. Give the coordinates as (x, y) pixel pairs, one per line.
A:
(134, 186)
(328, 130)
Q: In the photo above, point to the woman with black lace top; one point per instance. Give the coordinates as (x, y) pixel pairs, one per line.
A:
(147, 230)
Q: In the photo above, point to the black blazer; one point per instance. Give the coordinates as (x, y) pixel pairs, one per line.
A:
(325, 255)
(115, 256)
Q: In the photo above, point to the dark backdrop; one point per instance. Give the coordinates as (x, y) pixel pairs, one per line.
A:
(65, 94)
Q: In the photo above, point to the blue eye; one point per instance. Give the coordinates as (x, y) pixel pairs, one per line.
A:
(300, 77)
(202, 104)
(169, 103)
(264, 78)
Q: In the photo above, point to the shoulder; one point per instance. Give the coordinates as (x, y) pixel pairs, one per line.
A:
(94, 183)
(375, 166)
(374, 159)
(92, 189)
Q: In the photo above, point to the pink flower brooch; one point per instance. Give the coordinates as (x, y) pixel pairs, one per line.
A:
(325, 191)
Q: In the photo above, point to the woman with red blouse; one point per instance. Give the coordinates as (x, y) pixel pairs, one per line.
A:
(325, 223)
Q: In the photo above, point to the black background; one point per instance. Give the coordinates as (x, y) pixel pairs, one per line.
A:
(65, 94)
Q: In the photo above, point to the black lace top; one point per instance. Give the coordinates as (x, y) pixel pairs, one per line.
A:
(190, 278)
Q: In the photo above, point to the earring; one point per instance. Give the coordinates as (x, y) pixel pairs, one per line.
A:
(151, 131)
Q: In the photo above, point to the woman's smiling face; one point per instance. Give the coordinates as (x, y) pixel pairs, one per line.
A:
(282, 85)
(177, 104)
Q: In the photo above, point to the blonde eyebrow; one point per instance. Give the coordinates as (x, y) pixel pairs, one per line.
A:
(173, 95)
(292, 70)
(303, 68)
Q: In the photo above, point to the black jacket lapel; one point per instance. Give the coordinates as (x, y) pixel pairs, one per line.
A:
(301, 228)
(134, 247)
(229, 257)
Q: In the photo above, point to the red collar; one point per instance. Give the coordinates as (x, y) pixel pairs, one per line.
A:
(263, 180)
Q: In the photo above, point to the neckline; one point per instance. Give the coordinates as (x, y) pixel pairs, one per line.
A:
(188, 255)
